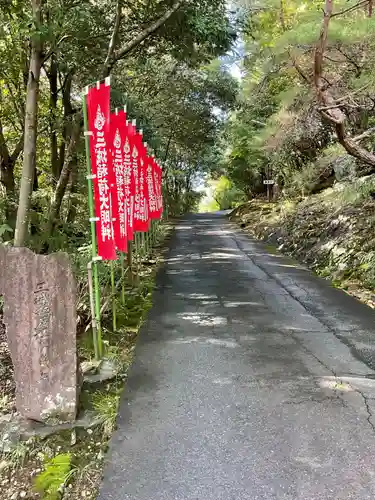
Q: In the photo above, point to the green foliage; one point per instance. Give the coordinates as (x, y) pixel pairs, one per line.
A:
(106, 405)
(355, 193)
(173, 82)
(4, 228)
(56, 474)
(18, 454)
(223, 193)
(276, 130)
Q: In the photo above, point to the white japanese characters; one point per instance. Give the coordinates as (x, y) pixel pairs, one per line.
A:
(101, 159)
(118, 167)
(137, 197)
(127, 183)
(152, 204)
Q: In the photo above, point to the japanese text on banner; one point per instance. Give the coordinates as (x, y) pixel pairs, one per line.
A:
(129, 181)
(98, 118)
(118, 139)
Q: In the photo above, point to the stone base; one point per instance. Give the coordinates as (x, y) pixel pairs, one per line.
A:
(14, 428)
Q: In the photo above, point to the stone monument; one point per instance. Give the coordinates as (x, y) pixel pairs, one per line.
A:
(39, 294)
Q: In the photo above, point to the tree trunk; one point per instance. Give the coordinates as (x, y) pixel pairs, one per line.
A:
(72, 209)
(69, 164)
(7, 180)
(329, 106)
(68, 112)
(31, 124)
(7, 164)
(52, 76)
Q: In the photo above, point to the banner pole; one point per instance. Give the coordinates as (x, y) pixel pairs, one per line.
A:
(97, 335)
(122, 259)
(130, 262)
(137, 252)
(147, 244)
(142, 244)
(113, 290)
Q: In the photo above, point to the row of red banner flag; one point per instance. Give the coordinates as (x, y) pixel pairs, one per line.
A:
(126, 180)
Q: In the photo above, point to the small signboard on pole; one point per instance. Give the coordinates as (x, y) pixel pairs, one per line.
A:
(269, 182)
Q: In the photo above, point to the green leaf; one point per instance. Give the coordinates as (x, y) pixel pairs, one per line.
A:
(56, 474)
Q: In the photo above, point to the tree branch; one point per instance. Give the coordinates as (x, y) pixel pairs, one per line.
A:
(350, 9)
(53, 50)
(69, 164)
(146, 32)
(349, 59)
(365, 134)
(282, 16)
(299, 69)
(112, 42)
(17, 150)
(4, 151)
(329, 109)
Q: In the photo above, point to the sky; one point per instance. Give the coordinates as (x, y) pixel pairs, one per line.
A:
(235, 70)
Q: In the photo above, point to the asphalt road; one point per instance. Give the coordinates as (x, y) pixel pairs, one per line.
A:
(252, 380)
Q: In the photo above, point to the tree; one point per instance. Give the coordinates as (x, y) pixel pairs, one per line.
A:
(331, 108)
(31, 124)
(51, 50)
(308, 84)
(61, 45)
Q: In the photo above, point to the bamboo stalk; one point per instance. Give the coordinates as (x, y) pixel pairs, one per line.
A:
(122, 258)
(137, 255)
(107, 301)
(114, 315)
(97, 335)
(92, 306)
(130, 262)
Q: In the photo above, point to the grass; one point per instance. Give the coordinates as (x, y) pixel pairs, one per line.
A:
(106, 406)
(18, 454)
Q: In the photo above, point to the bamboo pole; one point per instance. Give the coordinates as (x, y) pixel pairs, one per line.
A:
(97, 335)
(147, 243)
(142, 244)
(137, 254)
(92, 307)
(122, 259)
(114, 315)
(130, 262)
(107, 301)
(153, 223)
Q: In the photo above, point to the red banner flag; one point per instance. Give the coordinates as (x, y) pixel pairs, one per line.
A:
(98, 104)
(161, 190)
(130, 165)
(152, 201)
(159, 196)
(144, 212)
(118, 140)
(139, 169)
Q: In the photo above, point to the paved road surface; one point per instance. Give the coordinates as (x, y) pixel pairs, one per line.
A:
(249, 381)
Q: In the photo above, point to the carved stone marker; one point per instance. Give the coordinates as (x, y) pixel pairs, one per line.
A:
(40, 318)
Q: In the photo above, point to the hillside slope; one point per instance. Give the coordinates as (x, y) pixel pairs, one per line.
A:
(333, 232)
